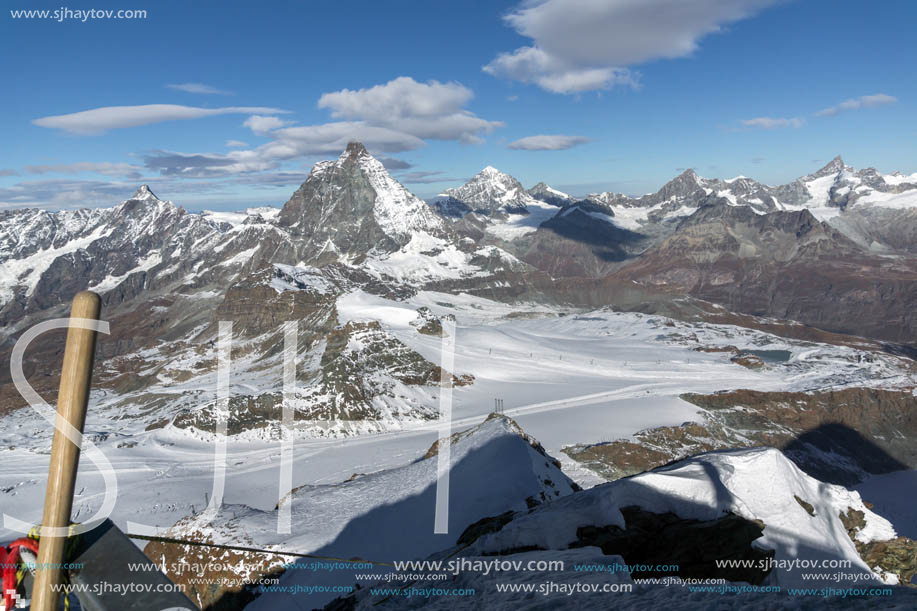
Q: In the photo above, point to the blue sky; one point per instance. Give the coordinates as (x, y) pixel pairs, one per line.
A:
(628, 94)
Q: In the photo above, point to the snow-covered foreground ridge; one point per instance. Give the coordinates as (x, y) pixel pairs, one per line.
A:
(389, 515)
(758, 484)
(797, 526)
(509, 501)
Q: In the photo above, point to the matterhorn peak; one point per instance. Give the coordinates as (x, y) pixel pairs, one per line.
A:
(144, 193)
(356, 204)
(144, 202)
(355, 150)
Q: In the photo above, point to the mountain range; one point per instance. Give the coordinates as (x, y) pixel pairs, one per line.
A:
(711, 316)
(833, 251)
(750, 247)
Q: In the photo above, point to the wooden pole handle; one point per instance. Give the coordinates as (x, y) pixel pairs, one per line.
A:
(65, 455)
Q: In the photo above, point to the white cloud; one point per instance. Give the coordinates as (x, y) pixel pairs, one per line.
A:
(393, 117)
(547, 142)
(584, 45)
(287, 144)
(461, 126)
(427, 177)
(205, 165)
(235, 143)
(7, 172)
(393, 163)
(865, 101)
(61, 194)
(533, 65)
(261, 125)
(400, 97)
(773, 122)
(105, 168)
(332, 138)
(199, 88)
(430, 110)
(98, 120)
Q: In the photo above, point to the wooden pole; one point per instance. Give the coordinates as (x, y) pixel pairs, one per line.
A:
(65, 455)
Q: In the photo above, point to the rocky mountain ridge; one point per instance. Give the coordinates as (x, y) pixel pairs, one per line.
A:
(167, 275)
(489, 192)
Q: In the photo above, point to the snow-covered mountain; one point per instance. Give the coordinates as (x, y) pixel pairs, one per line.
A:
(545, 193)
(494, 205)
(750, 506)
(352, 206)
(349, 211)
(167, 275)
(536, 282)
(839, 185)
(798, 516)
(491, 191)
(826, 193)
(626, 332)
(49, 256)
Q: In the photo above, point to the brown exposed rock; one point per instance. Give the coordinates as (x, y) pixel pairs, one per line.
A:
(749, 361)
(212, 578)
(427, 323)
(255, 307)
(805, 505)
(854, 521)
(898, 555)
(731, 349)
(862, 430)
(785, 265)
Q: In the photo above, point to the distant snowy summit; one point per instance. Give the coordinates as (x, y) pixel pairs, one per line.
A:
(836, 186)
(489, 192)
(545, 193)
